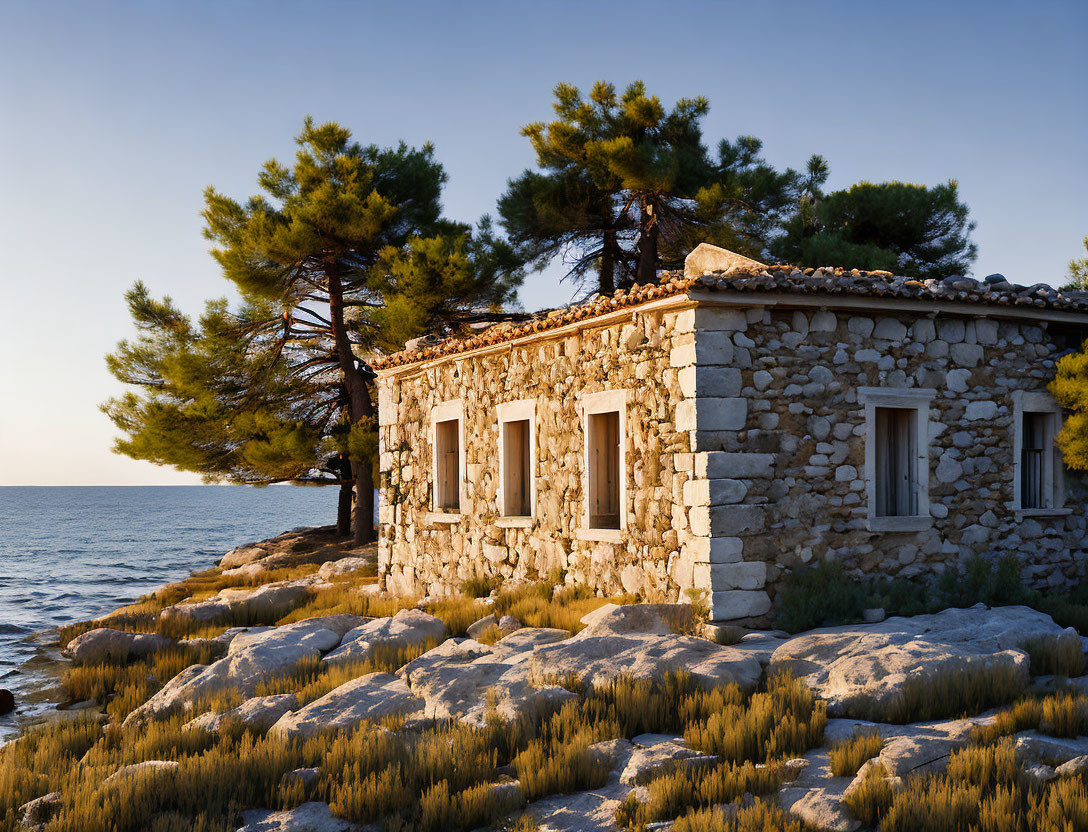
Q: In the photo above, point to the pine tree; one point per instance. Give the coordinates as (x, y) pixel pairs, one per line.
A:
(344, 254)
(908, 229)
(1078, 272)
(626, 187)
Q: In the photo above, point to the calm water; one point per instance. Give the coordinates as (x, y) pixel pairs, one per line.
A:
(69, 554)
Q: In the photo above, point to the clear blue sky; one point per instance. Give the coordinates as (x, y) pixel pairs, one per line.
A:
(114, 116)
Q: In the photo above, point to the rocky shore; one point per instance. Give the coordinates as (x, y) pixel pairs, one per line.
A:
(337, 706)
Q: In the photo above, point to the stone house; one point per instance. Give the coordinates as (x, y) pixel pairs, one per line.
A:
(715, 430)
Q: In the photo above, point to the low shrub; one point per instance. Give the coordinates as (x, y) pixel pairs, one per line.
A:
(848, 755)
(481, 587)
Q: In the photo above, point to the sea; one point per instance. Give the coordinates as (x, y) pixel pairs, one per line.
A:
(73, 553)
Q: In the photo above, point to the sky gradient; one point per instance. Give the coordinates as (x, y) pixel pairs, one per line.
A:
(115, 116)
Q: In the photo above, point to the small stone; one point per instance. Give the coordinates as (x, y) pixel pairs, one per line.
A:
(478, 628)
(873, 615)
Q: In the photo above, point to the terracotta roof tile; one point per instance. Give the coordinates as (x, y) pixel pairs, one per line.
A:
(994, 291)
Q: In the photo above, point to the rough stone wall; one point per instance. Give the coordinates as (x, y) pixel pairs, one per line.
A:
(419, 555)
(779, 448)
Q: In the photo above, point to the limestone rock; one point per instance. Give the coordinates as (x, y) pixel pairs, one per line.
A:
(456, 678)
(257, 714)
(105, 645)
(660, 619)
(251, 658)
(592, 811)
(863, 669)
(1073, 768)
(266, 602)
(408, 628)
(309, 817)
(344, 566)
(612, 753)
(146, 768)
(597, 655)
(370, 697)
(707, 258)
(478, 628)
(645, 763)
(35, 814)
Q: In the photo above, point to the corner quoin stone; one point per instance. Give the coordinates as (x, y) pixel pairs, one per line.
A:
(738, 603)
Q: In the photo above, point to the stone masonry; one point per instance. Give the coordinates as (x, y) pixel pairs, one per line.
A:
(745, 444)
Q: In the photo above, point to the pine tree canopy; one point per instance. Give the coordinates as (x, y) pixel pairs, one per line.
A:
(1078, 272)
(625, 187)
(342, 254)
(894, 226)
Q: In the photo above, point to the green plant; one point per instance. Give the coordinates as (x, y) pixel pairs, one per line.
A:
(848, 755)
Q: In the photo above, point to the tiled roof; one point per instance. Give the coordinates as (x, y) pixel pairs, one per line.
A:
(993, 291)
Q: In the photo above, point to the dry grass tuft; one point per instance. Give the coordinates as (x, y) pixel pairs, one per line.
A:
(1055, 655)
(966, 690)
(785, 720)
(871, 799)
(758, 817)
(848, 755)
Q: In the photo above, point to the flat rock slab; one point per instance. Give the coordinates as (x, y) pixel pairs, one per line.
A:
(257, 714)
(251, 659)
(646, 763)
(864, 669)
(268, 601)
(345, 566)
(370, 697)
(1033, 747)
(597, 657)
(147, 767)
(309, 817)
(457, 678)
(408, 628)
(657, 619)
(105, 645)
(592, 811)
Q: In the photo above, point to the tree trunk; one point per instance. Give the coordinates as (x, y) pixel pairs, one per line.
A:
(647, 243)
(606, 280)
(343, 505)
(360, 405)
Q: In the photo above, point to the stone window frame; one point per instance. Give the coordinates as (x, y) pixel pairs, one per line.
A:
(446, 412)
(912, 398)
(1038, 401)
(517, 411)
(607, 401)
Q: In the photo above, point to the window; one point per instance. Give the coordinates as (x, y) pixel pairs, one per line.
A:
(897, 457)
(604, 473)
(1038, 487)
(896, 450)
(517, 460)
(447, 450)
(604, 470)
(515, 481)
(448, 459)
